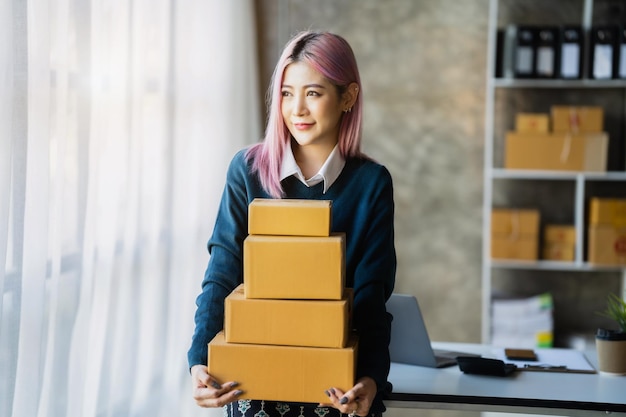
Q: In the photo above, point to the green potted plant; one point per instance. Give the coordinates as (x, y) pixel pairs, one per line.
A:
(611, 343)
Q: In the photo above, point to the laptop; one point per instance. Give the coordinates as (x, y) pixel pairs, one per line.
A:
(409, 338)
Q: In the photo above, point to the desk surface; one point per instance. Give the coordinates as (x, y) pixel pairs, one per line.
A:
(529, 392)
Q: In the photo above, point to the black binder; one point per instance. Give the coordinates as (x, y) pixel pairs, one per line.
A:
(603, 52)
(546, 52)
(571, 52)
(524, 57)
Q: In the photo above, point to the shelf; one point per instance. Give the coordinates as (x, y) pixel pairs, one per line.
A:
(503, 173)
(556, 83)
(553, 266)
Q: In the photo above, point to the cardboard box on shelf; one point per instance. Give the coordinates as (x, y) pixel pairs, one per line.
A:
(314, 323)
(283, 373)
(297, 267)
(607, 211)
(532, 123)
(558, 233)
(514, 234)
(521, 248)
(556, 151)
(558, 251)
(577, 119)
(289, 217)
(514, 222)
(607, 245)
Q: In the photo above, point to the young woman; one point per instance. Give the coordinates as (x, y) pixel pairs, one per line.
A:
(311, 150)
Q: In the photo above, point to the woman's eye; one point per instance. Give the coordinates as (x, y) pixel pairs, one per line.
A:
(285, 93)
(313, 93)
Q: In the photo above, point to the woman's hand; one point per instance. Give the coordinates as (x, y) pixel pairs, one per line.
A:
(208, 392)
(357, 400)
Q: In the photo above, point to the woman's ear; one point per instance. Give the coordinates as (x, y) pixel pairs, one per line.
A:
(350, 96)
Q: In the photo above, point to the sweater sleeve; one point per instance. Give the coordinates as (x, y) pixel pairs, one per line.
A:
(374, 280)
(224, 270)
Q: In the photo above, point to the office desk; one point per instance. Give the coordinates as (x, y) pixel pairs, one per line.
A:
(550, 393)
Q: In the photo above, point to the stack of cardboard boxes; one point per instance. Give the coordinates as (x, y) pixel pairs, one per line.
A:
(576, 141)
(287, 330)
(607, 231)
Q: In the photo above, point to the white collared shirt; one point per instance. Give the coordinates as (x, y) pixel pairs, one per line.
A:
(328, 173)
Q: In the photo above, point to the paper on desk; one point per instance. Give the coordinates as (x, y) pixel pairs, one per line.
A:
(573, 360)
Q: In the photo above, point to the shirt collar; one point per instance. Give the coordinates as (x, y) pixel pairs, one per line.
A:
(328, 173)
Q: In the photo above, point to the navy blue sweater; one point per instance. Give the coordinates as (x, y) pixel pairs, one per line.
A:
(363, 209)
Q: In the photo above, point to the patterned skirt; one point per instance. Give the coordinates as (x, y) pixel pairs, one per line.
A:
(254, 408)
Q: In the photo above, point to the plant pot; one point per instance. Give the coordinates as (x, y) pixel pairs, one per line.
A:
(611, 348)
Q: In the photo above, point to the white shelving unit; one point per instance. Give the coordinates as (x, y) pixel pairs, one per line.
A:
(492, 174)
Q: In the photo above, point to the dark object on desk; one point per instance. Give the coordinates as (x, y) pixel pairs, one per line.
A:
(485, 366)
(527, 355)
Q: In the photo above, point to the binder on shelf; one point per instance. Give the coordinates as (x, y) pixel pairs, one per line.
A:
(621, 71)
(547, 39)
(571, 52)
(603, 52)
(524, 63)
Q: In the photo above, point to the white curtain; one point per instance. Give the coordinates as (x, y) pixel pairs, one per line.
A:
(117, 122)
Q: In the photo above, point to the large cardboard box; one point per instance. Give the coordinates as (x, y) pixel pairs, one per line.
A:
(515, 234)
(297, 267)
(556, 151)
(577, 119)
(607, 245)
(289, 217)
(283, 373)
(315, 323)
(607, 211)
(532, 123)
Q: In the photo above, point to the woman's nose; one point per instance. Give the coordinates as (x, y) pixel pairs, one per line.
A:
(299, 105)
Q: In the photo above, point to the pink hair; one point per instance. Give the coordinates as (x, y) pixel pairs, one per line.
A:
(332, 56)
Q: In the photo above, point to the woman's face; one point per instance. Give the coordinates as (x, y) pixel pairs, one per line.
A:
(311, 106)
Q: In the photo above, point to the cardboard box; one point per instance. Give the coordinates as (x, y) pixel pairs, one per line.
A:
(607, 211)
(289, 217)
(283, 373)
(558, 251)
(317, 323)
(556, 151)
(532, 123)
(607, 245)
(520, 248)
(556, 233)
(297, 267)
(577, 119)
(514, 222)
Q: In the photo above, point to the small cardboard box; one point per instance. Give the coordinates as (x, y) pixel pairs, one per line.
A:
(532, 123)
(607, 211)
(283, 373)
(558, 251)
(607, 245)
(507, 222)
(297, 267)
(557, 233)
(314, 323)
(521, 248)
(556, 151)
(289, 217)
(577, 119)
